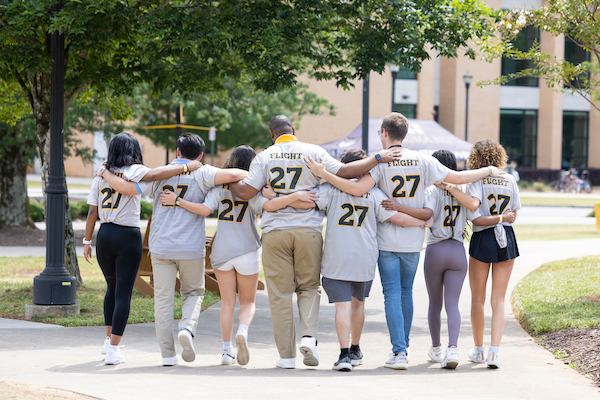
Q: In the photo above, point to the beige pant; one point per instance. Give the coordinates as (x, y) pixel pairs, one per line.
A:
(191, 275)
(292, 264)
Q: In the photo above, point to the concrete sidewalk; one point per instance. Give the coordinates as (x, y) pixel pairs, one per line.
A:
(69, 358)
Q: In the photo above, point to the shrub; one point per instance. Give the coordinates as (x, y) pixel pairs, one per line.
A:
(36, 210)
(539, 186)
(146, 209)
(79, 209)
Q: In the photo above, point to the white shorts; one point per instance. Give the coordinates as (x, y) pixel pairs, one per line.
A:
(246, 264)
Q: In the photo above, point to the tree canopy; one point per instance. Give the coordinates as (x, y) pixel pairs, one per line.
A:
(578, 20)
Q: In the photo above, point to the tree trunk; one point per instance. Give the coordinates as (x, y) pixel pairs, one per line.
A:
(40, 85)
(14, 204)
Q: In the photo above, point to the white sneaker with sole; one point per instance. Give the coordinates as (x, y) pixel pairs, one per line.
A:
(450, 360)
(241, 339)
(397, 361)
(170, 361)
(227, 357)
(114, 356)
(493, 360)
(286, 363)
(187, 343)
(436, 354)
(476, 355)
(106, 345)
(308, 347)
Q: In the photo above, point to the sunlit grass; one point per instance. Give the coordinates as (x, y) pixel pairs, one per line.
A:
(527, 232)
(38, 185)
(559, 295)
(16, 290)
(582, 201)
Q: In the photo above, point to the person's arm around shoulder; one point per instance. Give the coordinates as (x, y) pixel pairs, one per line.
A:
(361, 167)
(230, 175)
(167, 171)
(402, 219)
(462, 177)
(168, 198)
(355, 188)
(90, 223)
(472, 203)
(507, 216)
(421, 213)
(117, 183)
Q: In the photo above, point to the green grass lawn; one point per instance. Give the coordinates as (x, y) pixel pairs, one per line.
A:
(38, 185)
(554, 232)
(559, 295)
(559, 201)
(16, 282)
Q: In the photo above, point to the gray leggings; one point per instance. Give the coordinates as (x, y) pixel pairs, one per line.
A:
(445, 269)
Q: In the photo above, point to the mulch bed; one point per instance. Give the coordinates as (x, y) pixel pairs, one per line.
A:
(17, 236)
(578, 347)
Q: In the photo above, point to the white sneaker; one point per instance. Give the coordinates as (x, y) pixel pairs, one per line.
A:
(187, 343)
(436, 354)
(286, 363)
(227, 357)
(170, 361)
(308, 347)
(397, 361)
(106, 345)
(241, 339)
(114, 356)
(476, 355)
(407, 354)
(450, 360)
(493, 360)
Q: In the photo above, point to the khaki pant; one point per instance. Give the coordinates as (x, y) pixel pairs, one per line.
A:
(292, 264)
(191, 275)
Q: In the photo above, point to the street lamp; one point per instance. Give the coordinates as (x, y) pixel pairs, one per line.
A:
(394, 68)
(467, 78)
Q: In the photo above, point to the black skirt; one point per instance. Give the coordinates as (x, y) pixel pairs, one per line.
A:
(484, 247)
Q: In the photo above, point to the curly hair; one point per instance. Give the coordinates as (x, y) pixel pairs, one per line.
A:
(487, 152)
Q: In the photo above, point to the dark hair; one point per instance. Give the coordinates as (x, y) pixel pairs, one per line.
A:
(447, 158)
(190, 145)
(353, 155)
(281, 125)
(240, 158)
(396, 126)
(124, 150)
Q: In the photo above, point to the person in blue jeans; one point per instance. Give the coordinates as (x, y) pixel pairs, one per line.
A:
(404, 181)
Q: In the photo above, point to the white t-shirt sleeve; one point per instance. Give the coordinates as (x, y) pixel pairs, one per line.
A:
(475, 189)
(94, 191)
(381, 213)
(135, 172)
(324, 193)
(516, 201)
(212, 199)
(331, 164)
(147, 188)
(436, 172)
(431, 198)
(205, 177)
(257, 202)
(257, 175)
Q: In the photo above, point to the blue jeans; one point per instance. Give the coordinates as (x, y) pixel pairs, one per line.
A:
(397, 272)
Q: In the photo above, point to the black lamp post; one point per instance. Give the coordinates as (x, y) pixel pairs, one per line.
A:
(55, 286)
(467, 78)
(394, 68)
(365, 115)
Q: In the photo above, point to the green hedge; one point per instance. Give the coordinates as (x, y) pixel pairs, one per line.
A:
(79, 209)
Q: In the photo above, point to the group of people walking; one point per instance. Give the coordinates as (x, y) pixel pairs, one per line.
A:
(378, 209)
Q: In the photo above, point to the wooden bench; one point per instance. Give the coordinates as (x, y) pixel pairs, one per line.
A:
(145, 269)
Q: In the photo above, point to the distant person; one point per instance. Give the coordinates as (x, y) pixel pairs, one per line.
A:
(119, 241)
(292, 240)
(404, 182)
(235, 250)
(493, 246)
(350, 257)
(512, 169)
(445, 265)
(177, 245)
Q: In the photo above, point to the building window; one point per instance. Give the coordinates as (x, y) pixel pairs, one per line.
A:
(524, 41)
(577, 55)
(408, 110)
(575, 139)
(405, 73)
(518, 135)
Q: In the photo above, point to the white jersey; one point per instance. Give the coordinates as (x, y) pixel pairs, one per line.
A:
(496, 196)
(236, 227)
(282, 167)
(449, 216)
(113, 206)
(176, 233)
(405, 181)
(350, 252)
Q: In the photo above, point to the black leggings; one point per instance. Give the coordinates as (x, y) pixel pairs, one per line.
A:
(119, 252)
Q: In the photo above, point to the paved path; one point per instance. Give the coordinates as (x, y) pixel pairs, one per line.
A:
(69, 358)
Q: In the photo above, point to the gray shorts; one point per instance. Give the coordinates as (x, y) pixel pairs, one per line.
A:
(340, 291)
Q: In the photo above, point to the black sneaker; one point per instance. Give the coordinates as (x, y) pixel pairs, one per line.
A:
(356, 357)
(343, 364)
